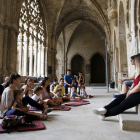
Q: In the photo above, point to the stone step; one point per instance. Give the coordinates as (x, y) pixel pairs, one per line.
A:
(129, 122)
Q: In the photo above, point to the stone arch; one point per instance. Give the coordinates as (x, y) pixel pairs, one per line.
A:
(97, 69)
(77, 65)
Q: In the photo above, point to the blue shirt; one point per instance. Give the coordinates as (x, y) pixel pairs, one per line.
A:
(68, 78)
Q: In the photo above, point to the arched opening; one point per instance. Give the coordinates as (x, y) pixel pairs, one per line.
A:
(97, 69)
(122, 41)
(77, 65)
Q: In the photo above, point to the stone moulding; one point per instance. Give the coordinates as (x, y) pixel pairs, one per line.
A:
(112, 12)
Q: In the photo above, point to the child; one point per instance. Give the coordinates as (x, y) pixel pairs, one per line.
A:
(74, 93)
(18, 96)
(83, 93)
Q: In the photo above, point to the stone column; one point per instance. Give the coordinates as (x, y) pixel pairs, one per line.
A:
(87, 72)
(35, 57)
(20, 53)
(5, 49)
(42, 60)
(39, 58)
(31, 56)
(46, 61)
(25, 55)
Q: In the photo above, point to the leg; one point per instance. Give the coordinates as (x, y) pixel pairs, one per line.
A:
(66, 88)
(116, 102)
(20, 113)
(27, 100)
(126, 85)
(131, 101)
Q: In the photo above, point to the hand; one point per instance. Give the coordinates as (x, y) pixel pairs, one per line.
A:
(121, 80)
(128, 93)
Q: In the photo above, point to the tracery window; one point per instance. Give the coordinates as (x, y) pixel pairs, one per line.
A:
(30, 40)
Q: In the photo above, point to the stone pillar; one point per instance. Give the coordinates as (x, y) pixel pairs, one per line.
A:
(87, 72)
(42, 60)
(31, 56)
(35, 57)
(39, 58)
(5, 49)
(46, 61)
(25, 55)
(20, 54)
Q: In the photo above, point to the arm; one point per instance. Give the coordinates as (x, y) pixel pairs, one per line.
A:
(55, 90)
(26, 89)
(83, 80)
(66, 82)
(127, 79)
(72, 82)
(14, 106)
(133, 90)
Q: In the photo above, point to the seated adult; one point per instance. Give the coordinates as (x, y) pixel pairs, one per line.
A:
(27, 87)
(46, 95)
(53, 85)
(80, 81)
(8, 99)
(61, 86)
(69, 81)
(6, 80)
(128, 81)
(123, 101)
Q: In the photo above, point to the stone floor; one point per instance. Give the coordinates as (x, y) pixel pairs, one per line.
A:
(79, 123)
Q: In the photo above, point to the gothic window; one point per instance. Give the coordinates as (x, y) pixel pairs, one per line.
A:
(30, 39)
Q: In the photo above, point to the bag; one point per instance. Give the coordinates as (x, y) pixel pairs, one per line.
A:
(12, 121)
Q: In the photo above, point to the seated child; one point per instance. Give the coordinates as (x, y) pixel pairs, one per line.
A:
(83, 93)
(38, 97)
(18, 96)
(74, 93)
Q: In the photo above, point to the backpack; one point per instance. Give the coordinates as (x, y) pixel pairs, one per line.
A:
(12, 121)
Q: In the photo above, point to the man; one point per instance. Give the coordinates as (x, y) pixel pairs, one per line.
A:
(127, 82)
(68, 81)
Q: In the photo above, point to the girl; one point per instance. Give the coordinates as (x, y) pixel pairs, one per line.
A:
(123, 101)
(74, 93)
(83, 93)
(80, 81)
(46, 95)
(18, 96)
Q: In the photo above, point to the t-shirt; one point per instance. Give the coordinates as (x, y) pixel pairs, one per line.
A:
(73, 94)
(62, 87)
(37, 98)
(68, 78)
(6, 100)
(136, 80)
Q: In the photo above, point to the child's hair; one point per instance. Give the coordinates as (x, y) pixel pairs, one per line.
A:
(83, 87)
(61, 79)
(28, 80)
(59, 89)
(73, 87)
(16, 92)
(37, 88)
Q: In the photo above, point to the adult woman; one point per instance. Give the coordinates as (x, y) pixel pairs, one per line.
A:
(27, 87)
(124, 101)
(80, 81)
(8, 98)
(46, 96)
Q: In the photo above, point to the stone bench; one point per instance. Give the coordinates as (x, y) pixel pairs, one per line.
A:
(129, 122)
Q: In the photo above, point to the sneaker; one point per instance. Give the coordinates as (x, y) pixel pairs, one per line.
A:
(101, 117)
(100, 111)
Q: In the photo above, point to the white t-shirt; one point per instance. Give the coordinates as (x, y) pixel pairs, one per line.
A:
(37, 98)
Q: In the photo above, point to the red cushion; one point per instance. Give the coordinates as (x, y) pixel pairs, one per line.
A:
(62, 108)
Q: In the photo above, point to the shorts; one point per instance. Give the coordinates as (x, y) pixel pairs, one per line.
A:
(128, 83)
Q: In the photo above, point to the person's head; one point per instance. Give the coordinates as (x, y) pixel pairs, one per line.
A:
(62, 75)
(59, 90)
(29, 81)
(83, 88)
(132, 59)
(45, 81)
(137, 64)
(7, 79)
(73, 89)
(38, 90)
(68, 72)
(80, 74)
(15, 79)
(18, 95)
(61, 81)
(54, 81)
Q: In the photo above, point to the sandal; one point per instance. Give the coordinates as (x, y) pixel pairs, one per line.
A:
(49, 110)
(45, 112)
(44, 117)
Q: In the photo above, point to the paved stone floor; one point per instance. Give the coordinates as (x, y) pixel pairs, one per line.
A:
(79, 123)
